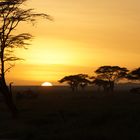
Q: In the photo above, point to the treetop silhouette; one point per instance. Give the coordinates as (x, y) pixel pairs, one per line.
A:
(111, 74)
(74, 81)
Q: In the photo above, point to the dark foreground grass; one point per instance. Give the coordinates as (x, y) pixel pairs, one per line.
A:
(59, 114)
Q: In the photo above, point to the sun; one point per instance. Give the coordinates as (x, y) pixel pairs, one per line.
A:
(47, 84)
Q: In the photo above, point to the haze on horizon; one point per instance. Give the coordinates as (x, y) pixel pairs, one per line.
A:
(84, 35)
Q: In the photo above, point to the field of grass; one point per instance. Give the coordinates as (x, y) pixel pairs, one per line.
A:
(59, 114)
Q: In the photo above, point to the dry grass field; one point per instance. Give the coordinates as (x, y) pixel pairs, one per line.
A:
(59, 114)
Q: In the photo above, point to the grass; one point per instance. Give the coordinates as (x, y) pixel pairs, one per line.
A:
(59, 114)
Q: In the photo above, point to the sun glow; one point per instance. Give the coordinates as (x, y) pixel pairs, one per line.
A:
(79, 40)
(47, 84)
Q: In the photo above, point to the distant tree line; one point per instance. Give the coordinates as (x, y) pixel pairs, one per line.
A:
(105, 77)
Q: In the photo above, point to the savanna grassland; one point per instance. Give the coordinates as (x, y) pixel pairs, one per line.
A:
(59, 114)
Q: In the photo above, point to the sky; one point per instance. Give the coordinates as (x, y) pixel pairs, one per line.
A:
(84, 35)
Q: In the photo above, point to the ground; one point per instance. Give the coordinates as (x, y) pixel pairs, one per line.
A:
(59, 114)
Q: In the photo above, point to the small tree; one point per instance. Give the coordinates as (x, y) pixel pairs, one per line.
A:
(11, 15)
(74, 81)
(111, 74)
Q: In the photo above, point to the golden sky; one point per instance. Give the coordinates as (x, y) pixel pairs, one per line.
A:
(84, 35)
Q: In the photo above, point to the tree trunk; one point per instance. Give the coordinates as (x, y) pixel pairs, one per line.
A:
(112, 86)
(5, 90)
(9, 99)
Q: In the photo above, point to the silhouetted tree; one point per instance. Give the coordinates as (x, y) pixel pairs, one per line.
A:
(134, 74)
(101, 83)
(75, 81)
(11, 15)
(83, 80)
(111, 74)
(71, 81)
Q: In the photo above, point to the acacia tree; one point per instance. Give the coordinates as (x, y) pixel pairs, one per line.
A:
(74, 81)
(11, 15)
(111, 74)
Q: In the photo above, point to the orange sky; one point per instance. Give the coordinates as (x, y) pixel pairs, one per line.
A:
(84, 35)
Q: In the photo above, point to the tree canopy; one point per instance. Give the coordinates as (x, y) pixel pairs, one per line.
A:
(111, 74)
(74, 81)
(11, 15)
